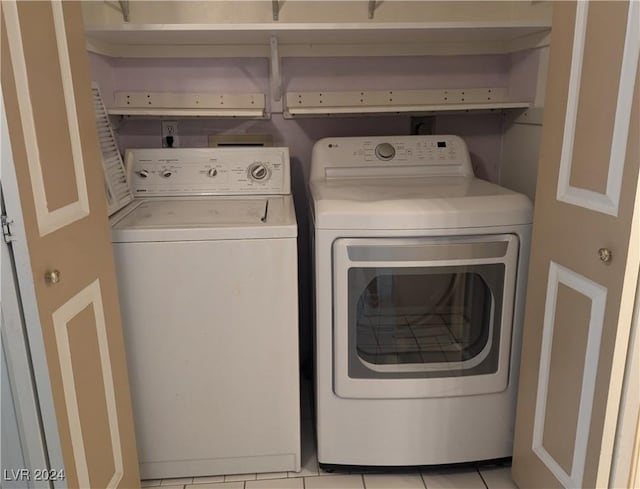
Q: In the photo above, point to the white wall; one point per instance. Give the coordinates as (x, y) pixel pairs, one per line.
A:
(12, 457)
(520, 151)
(522, 132)
(11, 450)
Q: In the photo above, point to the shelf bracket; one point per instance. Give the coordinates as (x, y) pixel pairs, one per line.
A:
(276, 76)
(399, 101)
(275, 6)
(372, 8)
(124, 8)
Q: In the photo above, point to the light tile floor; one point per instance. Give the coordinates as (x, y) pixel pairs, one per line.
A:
(312, 477)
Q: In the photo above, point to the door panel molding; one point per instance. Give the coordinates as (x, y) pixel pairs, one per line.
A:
(598, 296)
(96, 448)
(625, 101)
(608, 202)
(48, 220)
(90, 295)
(26, 299)
(625, 465)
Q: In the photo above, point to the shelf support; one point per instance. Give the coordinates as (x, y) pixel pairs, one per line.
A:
(372, 8)
(399, 101)
(124, 8)
(275, 78)
(188, 104)
(275, 6)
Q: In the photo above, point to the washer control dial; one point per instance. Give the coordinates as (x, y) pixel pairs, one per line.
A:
(167, 173)
(259, 172)
(385, 151)
(143, 173)
(212, 172)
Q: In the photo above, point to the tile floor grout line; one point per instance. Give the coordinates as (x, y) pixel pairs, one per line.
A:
(482, 478)
(424, 482)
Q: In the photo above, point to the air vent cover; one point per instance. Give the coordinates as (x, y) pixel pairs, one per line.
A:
(116, 185)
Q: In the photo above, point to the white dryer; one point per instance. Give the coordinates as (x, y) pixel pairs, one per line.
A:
(207, 273)
(420, 273)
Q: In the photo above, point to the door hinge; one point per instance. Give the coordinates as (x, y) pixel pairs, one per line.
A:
(6, 229)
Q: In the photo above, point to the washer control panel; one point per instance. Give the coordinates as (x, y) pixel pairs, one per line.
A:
(208, 171)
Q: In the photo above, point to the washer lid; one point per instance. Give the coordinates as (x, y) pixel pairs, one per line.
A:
(416, 203)
(191, 219)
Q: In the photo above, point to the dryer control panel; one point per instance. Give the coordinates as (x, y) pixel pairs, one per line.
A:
(391, 156)
(208, 171)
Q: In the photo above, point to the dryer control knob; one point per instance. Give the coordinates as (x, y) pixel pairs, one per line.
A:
(385, 151)
(167, 173)
(143, 173)
(212, 172)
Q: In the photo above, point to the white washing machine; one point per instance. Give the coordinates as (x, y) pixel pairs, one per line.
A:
(420, 273)
(207, 273)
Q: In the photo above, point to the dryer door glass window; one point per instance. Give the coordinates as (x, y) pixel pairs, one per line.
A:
(434, 312)
(434, 321)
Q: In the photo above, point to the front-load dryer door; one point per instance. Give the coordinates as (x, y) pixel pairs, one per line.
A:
(423, 317)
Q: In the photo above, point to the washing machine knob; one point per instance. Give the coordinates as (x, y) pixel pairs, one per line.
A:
(167, 173)
(385, 151)
(212, 172)
(143, 173)
(259, 171)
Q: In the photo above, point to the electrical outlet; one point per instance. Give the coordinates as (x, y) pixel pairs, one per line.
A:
(422, 125)
(170, 134)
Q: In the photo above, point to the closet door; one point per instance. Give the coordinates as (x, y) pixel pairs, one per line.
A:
(62, 240)
(585, 250)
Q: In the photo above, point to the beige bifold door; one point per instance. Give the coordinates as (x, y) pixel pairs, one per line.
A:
(585, 250)
(47, 99)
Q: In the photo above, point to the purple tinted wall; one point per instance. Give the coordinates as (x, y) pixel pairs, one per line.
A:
(102, 72)
(400, 73)
(190, 74)
(345, 73)
(482, 132)
(523, 74)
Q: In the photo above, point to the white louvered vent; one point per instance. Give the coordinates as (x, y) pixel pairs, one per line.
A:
(118, 191)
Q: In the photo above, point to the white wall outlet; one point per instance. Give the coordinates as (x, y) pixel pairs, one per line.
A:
(170, 134)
